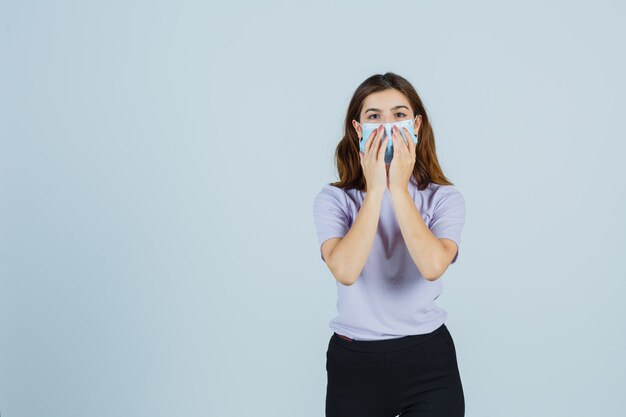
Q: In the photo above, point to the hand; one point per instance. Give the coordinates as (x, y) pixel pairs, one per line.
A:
(403, 161)
(373, 160)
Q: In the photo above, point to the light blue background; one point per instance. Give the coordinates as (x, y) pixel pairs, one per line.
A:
(158, 164)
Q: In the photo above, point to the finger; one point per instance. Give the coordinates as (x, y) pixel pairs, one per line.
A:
(404, 137)
(382, 138)
(378, 139)
(410, 142)
(381, 150)
(398, 144)
(376, 143)
(370, 140)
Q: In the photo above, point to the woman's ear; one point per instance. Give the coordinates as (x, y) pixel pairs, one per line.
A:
(357, 127)
(417, 124)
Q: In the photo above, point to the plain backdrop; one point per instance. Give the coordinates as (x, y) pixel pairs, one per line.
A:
(158, 164)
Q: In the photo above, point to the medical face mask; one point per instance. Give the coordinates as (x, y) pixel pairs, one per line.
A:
(368, 128)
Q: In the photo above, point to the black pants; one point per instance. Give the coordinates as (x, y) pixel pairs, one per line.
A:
(411, 376)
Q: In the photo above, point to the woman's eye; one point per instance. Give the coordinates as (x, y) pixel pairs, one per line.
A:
(399, 113)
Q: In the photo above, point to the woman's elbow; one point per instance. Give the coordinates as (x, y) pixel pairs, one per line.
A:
(435, 271)
(344, 277)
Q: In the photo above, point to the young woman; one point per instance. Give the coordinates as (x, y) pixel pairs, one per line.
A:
(388, 230)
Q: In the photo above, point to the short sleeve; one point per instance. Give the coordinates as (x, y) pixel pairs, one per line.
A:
(449, 216)
(330, 214)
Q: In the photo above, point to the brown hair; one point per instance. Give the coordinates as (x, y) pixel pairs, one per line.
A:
(347, 160)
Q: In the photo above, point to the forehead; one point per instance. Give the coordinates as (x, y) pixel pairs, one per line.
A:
(385, 100)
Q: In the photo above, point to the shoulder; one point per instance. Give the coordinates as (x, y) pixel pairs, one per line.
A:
(331, 194)
(332, 191)
(446, 195)
(329, 188)
(445, 190)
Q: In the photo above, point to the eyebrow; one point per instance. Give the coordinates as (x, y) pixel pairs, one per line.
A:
(393, 108)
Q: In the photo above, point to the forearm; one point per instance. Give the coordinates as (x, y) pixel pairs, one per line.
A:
(350, 254)
(425, 249)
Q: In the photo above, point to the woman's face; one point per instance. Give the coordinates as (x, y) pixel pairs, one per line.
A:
(388, 106)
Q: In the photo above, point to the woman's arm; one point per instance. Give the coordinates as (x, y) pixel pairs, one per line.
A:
(346, 256)
(431, 255)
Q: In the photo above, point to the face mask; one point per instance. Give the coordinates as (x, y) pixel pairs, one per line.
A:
(368, 128)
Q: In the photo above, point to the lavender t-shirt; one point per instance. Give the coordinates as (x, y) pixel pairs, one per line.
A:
(390, 299)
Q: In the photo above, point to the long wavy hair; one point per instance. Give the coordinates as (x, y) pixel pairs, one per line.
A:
(347, 160)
